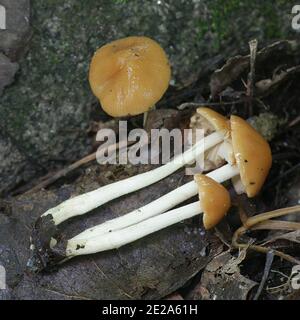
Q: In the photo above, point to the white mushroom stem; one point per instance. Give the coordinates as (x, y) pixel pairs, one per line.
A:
(156, 207)
(86, 202)
(132, 233)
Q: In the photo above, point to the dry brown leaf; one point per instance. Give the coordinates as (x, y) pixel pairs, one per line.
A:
(290, 236)
(221, 279)
(235, 66)
(266, 86)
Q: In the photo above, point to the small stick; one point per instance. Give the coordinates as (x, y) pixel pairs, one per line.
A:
(259, 219)
(62, 173)
(277, 225)
(268, 265)
(271, 214)
(294, 122)
(251, 75)
(145, 116)
(207, 104)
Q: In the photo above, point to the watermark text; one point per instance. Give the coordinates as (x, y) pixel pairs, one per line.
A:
(2, 18)
(2, 278)
(159, 146)
(296, 17)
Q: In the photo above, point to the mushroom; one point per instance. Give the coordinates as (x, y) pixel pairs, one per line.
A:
(214, 199)
(218, 131)
(222, 152)
(253, 158)
(214, 202)
(93, 239)
(154, 208)
(261, 163)
(129, 75)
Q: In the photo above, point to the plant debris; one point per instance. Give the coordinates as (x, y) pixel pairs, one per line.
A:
(221, 279)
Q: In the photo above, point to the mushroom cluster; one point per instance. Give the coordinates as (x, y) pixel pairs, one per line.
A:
(236, 150)
(249, 160)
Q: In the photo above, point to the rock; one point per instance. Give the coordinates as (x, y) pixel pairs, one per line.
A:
(149, 268)
(14, 167)
(7, 71)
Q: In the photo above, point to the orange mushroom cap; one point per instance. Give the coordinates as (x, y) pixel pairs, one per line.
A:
(211, 121)
(216, 120)
(214, 199)
(252, 153)
(129, 75)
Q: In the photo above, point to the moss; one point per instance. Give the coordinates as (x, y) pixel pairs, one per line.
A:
(267, 124)
(230, 19)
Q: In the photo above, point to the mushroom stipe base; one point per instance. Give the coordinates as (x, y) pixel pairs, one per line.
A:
(43, 257)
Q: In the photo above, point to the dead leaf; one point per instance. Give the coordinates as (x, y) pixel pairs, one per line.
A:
(222, 279)
(223, 77)
(266, 86)
(290, 236)
(235, 66)
(149, 268)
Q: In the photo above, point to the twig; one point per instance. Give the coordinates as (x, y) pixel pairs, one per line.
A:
(207, 104)
(265, 250)
(282, 287)
(277, 225)
(271, 214)
(294, 122)
(259, 219)
(251, 75)
(268, 265)
(62, 173)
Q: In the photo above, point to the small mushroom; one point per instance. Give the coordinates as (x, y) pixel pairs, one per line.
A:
(214, 199)
(46, 224)
(219, 128)
(155, 215)
(214, 202)
(253, 156)
(210, 120)
(129, 75)
(229, 171)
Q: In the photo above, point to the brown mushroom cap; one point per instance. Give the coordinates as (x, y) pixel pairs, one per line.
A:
(214, 199)
(252, 153)
(216, 120)
(211, 121)
(129, 75)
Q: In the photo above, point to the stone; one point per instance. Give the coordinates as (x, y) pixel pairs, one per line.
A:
(14, 167)
(8, 70)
